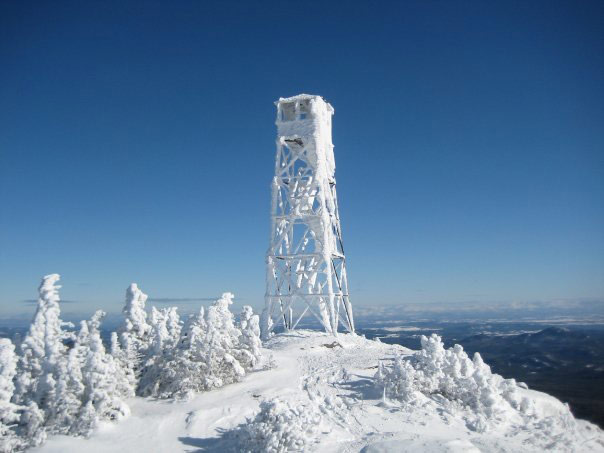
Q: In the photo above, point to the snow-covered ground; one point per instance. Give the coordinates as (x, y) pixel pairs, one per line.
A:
(332, 378)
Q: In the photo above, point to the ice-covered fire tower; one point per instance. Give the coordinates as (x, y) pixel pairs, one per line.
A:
(305, 263)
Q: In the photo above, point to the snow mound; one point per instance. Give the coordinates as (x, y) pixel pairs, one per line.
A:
(280, 426)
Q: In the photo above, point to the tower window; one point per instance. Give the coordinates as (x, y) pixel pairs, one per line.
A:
(304, 109)
(288, 111)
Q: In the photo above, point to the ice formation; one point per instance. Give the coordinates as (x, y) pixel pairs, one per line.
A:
(306, 268)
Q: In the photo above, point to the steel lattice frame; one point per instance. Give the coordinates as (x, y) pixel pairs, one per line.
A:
(306, 267)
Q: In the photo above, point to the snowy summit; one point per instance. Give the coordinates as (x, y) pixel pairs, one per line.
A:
(313, 392)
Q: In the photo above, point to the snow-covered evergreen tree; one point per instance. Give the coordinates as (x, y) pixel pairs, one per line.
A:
(435, 370)
(158, 354)
(222, 345)
(178, 372)
(249, 324)
(9, 412)
(193, 330)
(173, 326)
(123, 375)
(103, 392)
(165, 330)
(279, 427)
(42, 345)
(211, 351)
(69, 386)
(52, 388)
(31, 425)
(267, 321)
(159, 332)
(43, 369)
(134, 335)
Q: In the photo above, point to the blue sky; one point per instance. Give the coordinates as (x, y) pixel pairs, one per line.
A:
(137, 145)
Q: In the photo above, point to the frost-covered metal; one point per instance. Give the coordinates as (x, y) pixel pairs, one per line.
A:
(305, 263)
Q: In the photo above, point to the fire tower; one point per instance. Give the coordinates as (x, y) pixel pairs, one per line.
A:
(305, 263)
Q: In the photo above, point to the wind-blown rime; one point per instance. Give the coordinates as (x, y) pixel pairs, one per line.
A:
(57, 381)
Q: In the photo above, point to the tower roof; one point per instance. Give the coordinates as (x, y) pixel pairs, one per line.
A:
(304, 97)
(299, 97)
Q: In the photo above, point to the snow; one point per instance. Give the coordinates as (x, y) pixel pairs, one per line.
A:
(324, 392)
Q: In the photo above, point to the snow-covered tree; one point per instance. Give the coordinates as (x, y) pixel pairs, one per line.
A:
(134, 312)
(279, 427)
(165, 330)
(9, 412)
(42, 347)
(157, 354)
(123, 375)
(31, 425)
(267, 322)
(43, 383)
(173, 326)
(69, 386)
(103, 391)
(222, 345)
(135, 334)
(249, 325)
(211, 351)
(159, 332)
(453, 375)
(179, 371)
(193, 330)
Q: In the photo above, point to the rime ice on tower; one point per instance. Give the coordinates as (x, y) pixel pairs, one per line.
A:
(306, 268)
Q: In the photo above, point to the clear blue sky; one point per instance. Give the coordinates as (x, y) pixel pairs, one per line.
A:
(137, 144)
